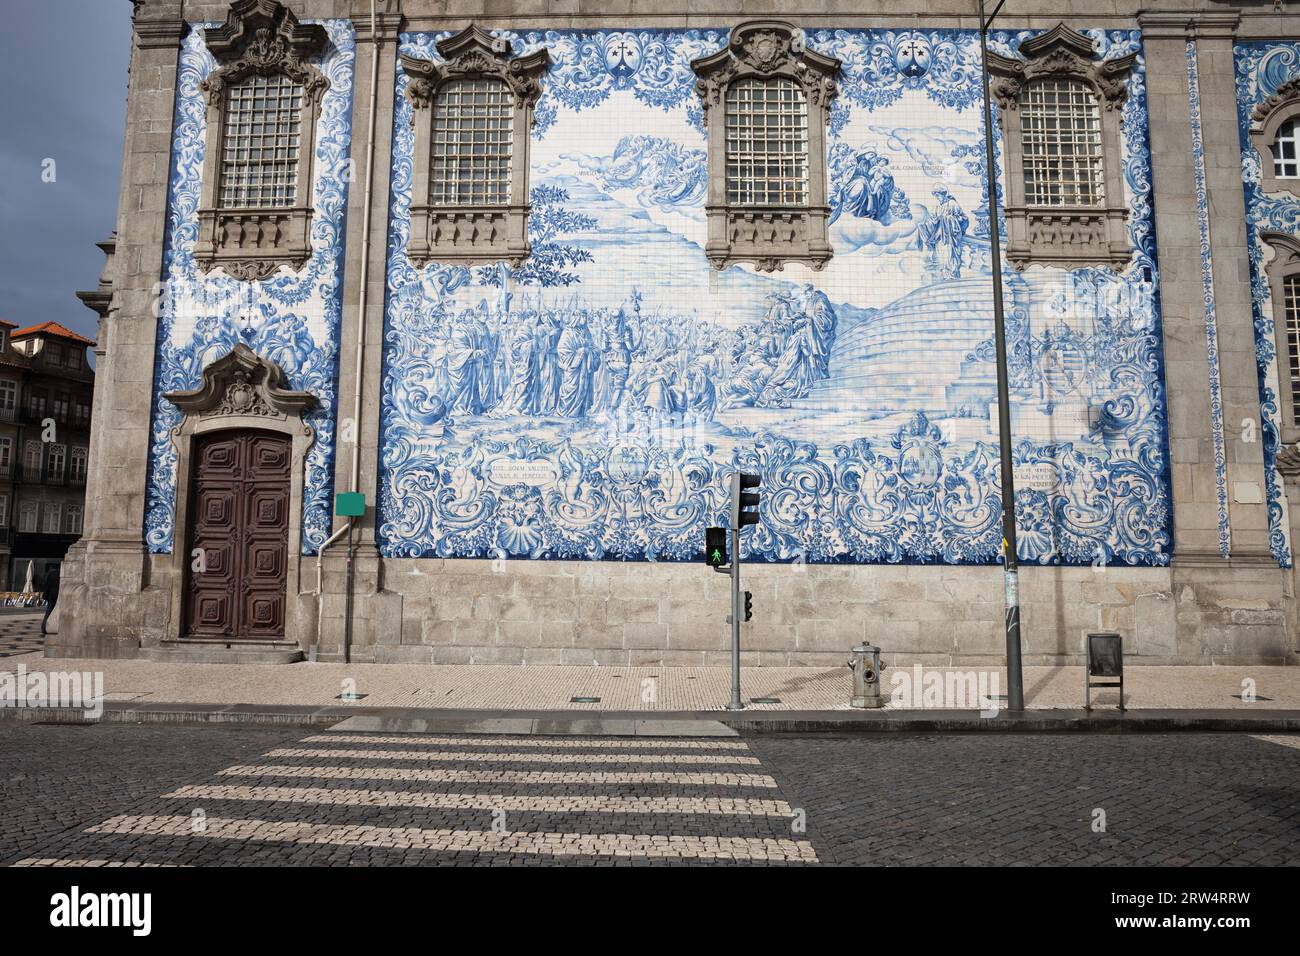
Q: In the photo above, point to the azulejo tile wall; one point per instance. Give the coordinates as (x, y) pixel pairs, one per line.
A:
(291, 318)
(592, 402)
(1262, 67)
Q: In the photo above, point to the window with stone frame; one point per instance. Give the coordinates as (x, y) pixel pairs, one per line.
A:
(1060, 109)
(766, 108)
(1060, 144)
(1286, 151)
(1275, 133)
(27, 517)
(78, 473)
(472, 111)
(1283, 273)
(72, 520)
(53, 513)
(263, 101)
(4, 510)
(6, 456)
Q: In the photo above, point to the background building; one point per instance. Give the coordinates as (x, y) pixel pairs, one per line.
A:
(610, 259)
(46, 385)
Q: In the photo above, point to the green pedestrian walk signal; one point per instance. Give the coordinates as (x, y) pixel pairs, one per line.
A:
(715, 547)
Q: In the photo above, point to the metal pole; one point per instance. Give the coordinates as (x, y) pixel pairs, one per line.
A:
(1015, 678)
(736, 703)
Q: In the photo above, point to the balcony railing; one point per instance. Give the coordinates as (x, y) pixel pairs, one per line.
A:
(35, 416)
(45, 476)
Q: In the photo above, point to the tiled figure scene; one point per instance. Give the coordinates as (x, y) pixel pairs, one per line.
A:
(591, 402)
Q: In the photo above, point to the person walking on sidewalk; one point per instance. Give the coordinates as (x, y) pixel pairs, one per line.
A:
(51, 589)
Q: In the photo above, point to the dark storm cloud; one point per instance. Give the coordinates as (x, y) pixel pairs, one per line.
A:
(63, 76)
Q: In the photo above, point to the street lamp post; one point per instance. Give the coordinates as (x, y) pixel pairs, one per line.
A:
(1010, 565)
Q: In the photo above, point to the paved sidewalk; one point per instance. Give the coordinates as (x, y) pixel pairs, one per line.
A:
(633, 689)
(20, 631)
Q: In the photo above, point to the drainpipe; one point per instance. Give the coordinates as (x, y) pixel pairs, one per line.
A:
(361, 326)
(320, 578)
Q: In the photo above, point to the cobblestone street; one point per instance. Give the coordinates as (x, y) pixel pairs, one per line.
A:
(195, 795)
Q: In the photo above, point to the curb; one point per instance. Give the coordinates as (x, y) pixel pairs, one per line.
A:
(671, 723)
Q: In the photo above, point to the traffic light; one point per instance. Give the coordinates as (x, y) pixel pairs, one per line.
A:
(744, 504)
(715, 547)
(749, 605)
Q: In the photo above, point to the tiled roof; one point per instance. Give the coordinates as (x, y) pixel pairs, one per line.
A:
(52, 328)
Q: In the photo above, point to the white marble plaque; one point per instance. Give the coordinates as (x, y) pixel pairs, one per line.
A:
(517, 471)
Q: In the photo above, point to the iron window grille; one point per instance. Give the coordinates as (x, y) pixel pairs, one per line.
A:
(767, 143)
(259, 160)
(1062, 145)
(471, 142)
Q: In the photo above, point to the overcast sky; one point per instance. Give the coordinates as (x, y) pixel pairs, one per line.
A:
(63, 73)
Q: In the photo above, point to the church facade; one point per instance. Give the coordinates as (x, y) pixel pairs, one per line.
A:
(533, 284)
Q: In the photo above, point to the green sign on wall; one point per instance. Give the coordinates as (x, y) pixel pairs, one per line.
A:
(349, 504)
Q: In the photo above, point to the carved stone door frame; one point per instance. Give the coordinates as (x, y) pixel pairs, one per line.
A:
(240, 390)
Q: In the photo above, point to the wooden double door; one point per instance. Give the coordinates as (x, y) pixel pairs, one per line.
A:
(238, 518)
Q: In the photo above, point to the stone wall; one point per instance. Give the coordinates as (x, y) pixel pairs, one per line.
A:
(1224, 598)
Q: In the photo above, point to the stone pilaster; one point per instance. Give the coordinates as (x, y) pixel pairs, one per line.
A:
(1187, 370)
(367, 598)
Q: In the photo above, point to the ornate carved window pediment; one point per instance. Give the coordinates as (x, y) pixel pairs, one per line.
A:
(766, 233)
(250, 232)
(1067, 235)
(474, 226)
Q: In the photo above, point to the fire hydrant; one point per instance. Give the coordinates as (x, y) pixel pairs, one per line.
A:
(866, 667)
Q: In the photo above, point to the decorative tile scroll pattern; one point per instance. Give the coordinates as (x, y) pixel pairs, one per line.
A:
(1262, 67)
(1207, 286)
(291, 318)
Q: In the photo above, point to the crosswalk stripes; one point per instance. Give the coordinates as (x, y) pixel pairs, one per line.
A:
(467, 799)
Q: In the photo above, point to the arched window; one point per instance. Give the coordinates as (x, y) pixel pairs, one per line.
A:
(767, 143)
(1286, 157)
(259, 155)
(472, 133)
(1061, 146)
